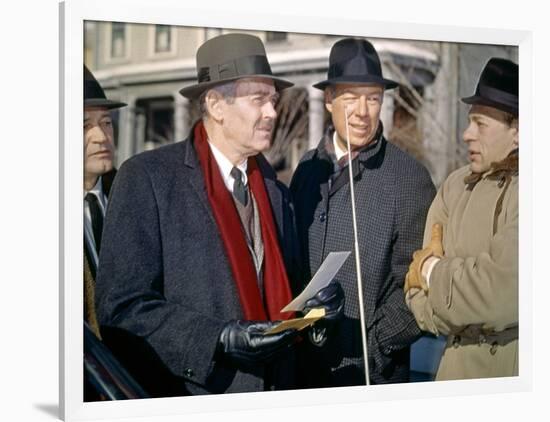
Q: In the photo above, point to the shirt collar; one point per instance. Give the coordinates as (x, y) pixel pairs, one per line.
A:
(97, 190)
(337, 150)
(225, 167)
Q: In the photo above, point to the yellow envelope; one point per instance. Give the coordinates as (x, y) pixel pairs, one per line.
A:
(298, 323)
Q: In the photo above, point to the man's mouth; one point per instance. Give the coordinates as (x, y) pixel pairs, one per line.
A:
(360, 128)
(104, 153)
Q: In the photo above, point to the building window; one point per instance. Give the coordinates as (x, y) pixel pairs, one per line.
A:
(118, 40)
(271, 36)
(163, 38)
(155, 122)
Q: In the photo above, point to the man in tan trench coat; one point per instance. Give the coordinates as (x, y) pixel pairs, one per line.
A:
(464, 283)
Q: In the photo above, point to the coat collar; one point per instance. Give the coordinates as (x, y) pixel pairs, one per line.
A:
(107, 181)
(196, 178)
(325, 149)
(336, 176)
(500, 170)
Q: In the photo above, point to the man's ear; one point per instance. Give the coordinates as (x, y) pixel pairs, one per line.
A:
(515, 126)
(214, 105)
(328, 99)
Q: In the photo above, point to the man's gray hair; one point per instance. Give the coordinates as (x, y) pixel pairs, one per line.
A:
(228, 91)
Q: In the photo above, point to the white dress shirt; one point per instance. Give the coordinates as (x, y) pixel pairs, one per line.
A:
(226, 166)
(97, 190)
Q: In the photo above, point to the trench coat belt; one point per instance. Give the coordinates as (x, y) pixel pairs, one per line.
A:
(500, 338)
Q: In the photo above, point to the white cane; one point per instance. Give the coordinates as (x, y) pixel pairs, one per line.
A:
(357, 258)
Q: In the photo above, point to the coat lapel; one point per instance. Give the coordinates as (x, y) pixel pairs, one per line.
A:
(270, 180)
(107, 181)
(194, 175)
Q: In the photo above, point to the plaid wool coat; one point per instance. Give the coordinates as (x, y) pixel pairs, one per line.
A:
(392, 193)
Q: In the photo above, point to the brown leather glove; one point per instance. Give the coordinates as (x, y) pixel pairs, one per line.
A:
(414, 278)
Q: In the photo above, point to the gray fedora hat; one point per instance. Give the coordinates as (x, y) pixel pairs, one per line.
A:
(94, 96)
(230, 57)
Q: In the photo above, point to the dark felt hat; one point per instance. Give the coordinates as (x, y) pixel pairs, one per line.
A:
(497, 86)
(354, 61)
(94, 95)
(230, 57)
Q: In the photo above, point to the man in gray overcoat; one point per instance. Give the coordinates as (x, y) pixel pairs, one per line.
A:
(198, 240)
(392, 192)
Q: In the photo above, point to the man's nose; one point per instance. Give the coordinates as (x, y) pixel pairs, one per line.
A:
(469, 134)
(98, 135)
(362, 108)
(269, 110)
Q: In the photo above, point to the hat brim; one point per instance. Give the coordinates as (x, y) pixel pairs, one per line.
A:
(476, 99)
(359, 79)
(103, 102)
(194, 91)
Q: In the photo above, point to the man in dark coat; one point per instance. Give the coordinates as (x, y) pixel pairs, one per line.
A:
(188, 287)
(392, 194)
(98, 177)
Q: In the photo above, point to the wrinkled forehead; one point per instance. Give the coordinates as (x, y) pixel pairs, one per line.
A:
(95, 112)
(255, 86)
(480, 111)
(358, 89)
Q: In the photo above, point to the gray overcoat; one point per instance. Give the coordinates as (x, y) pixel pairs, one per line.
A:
(392, 192)
(165, 288)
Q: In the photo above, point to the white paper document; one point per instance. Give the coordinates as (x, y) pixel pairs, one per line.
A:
(324, 275)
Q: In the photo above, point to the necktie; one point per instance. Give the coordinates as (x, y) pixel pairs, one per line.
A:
(97, 218)
(240, 191)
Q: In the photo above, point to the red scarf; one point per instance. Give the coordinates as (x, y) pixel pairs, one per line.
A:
(276, 285)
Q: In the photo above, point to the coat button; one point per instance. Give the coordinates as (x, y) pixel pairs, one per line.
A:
(322, 217)
(494, 348)
(188, 373)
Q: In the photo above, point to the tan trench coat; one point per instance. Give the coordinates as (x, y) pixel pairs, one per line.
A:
(473, 292)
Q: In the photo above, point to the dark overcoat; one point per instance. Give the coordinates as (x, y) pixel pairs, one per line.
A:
(165, 288)
(392, 193)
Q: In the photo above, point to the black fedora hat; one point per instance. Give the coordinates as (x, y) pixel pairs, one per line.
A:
(354, 61)
(230, 57)
(94, 95)
(497, 86)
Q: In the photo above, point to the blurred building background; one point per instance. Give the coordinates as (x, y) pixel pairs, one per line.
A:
(146, 65)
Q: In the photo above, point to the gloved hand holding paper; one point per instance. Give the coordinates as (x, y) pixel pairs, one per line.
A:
(322, 278)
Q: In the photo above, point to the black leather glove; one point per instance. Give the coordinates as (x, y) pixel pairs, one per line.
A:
(332, 299)
(243, 342)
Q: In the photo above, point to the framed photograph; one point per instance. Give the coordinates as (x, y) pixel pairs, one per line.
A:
(142, 53)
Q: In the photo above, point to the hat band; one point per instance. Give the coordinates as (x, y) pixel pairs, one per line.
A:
(357, 66)
(498, 96)
(242, 66)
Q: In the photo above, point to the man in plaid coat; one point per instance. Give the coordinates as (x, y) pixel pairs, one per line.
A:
(393, 193)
